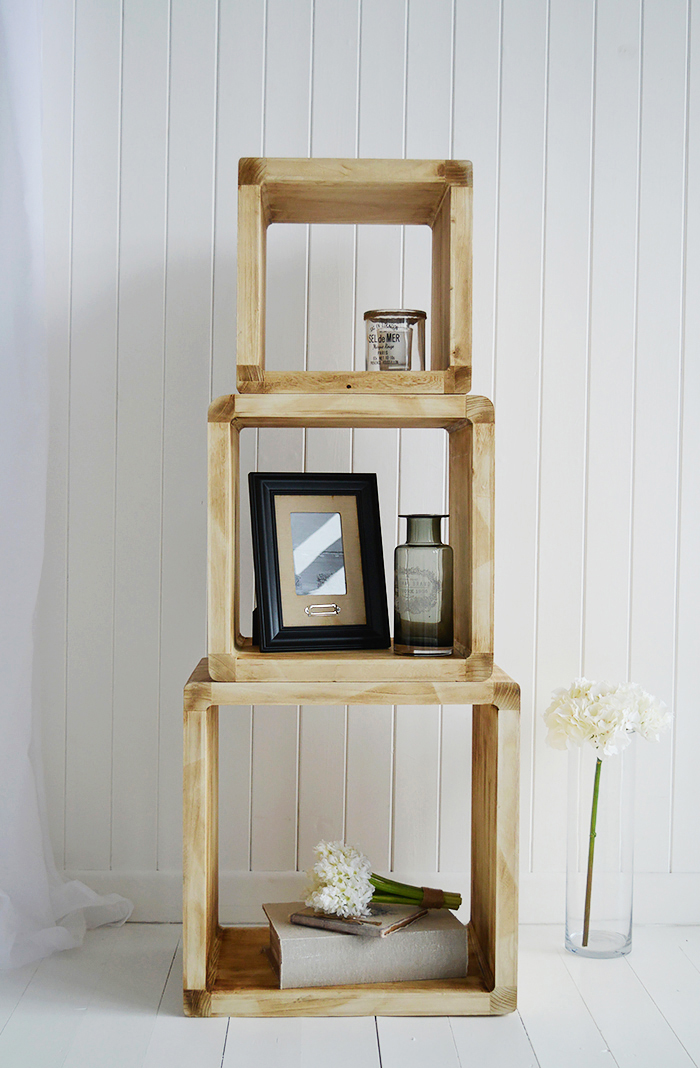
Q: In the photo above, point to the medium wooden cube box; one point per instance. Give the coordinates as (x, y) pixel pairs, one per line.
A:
(468, 421)
(436, 193)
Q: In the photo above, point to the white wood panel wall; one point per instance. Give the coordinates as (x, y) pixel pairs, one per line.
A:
(582, 119)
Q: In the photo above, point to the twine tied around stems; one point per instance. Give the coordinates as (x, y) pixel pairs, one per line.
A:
(432, 899)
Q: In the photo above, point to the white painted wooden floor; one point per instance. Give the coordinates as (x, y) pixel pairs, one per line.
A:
(116, 1003)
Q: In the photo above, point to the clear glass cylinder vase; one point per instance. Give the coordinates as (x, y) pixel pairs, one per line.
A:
(600, 852)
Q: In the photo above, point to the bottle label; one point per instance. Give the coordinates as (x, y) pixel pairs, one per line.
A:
(388, 348)
(418, 593)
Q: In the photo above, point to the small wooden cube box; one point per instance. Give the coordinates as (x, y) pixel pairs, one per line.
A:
(468, 421)
(436, 193)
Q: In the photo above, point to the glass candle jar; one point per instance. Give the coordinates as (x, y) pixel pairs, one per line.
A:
(395, 340)
(423, 590)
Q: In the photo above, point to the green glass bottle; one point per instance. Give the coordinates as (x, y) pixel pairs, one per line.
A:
(423, 590)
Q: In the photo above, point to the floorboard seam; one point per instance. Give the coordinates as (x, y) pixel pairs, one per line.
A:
(29, 982)
(688, 958)
(167, 978)
(223, 1050)
(527, 1036)
(662, 1013)
(587, 1007)
(379, 1045)
(454, 1043)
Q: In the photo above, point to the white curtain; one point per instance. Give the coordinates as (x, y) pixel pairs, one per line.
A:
(39, 911)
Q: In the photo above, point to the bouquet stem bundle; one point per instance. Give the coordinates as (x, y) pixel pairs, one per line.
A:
(391, 892)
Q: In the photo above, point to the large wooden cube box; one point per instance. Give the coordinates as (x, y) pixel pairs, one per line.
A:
(225, 970)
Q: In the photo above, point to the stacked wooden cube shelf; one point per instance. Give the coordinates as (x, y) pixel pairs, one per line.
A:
(225, 970)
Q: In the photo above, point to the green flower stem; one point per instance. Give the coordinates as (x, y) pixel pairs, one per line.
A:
(390, 891)
(391, 886)
(394, 883)
(591, 848)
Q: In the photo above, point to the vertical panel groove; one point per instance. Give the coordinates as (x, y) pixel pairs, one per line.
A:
(297, 788)
(404, 149)
(263, 140)
(251, 736)
(304, 432)
(307, 276)
(538, 461)
(161, 502)
(589, 317)
(681, 420)
(635, 345)
(115, 465)
(392, 813)
(68, 414)
(263, 148)
(453, 46)
(497, 218)
(438, 792)
(214, 191)
(445, 449)
(358, 90)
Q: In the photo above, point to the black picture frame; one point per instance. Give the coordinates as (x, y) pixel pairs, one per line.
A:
(270, 630)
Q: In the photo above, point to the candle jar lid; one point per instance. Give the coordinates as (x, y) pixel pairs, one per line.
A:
(396, 313)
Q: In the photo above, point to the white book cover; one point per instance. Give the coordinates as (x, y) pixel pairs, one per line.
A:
(432, 947)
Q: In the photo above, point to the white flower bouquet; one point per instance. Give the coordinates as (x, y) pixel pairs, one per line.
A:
(342, 883)
(606, 716)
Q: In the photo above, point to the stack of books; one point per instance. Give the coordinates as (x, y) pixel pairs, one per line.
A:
(395, 943)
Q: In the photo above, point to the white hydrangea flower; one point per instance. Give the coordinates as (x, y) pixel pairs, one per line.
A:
(648, 716)
(604, 714)
(339, 880)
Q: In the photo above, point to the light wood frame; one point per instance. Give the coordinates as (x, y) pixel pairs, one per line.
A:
(436, 193)
(468, 421)
(225, 973)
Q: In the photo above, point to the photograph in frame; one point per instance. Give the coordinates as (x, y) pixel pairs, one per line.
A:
(319, 567)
